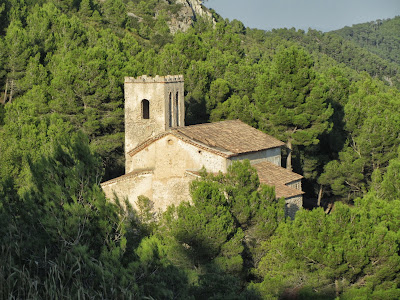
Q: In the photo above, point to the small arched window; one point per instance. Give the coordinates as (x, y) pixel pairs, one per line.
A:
(145, 109)
(177, 109)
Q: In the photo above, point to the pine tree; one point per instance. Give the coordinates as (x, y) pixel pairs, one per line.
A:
(372, 128)
(229, 218)
(292, 102)
(86, 8)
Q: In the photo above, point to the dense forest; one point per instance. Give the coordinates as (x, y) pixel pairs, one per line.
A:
(378, 37)
(333, 98)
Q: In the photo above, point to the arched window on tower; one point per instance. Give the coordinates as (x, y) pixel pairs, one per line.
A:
(170, 109)
(177, 109)
(145, 109)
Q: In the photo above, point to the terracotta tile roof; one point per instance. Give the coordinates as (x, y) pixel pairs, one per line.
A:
(225, 138)
(233, 136)
(274, 175)
(127, 176)
(286, 191)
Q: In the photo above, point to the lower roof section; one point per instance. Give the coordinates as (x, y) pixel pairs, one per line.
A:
(273, 175)
(280, 178)
(127, 176)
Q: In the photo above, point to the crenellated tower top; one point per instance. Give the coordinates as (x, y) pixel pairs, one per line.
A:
(156, 79)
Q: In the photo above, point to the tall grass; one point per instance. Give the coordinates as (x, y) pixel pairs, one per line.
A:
(69, 277)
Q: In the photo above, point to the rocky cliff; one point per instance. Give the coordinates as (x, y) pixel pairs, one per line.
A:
(190, 11)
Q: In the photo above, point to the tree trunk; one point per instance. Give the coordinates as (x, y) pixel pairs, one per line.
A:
(320, 195)
(329, 208)
(11, 91)
(5, 93)
(337, 288)
(289, 157)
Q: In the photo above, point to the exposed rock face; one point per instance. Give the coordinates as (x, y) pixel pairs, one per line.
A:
(190, 11)
(197, 7)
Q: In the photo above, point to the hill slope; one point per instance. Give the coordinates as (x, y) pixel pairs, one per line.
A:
(380, 37)
(62, 67)
(344, 51)
(68, 58)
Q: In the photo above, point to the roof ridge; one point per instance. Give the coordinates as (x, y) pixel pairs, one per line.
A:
(147, 142)
(182, 137)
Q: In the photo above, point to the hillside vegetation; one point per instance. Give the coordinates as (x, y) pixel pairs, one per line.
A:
(379, 37)
(333, 101)
(346, 52)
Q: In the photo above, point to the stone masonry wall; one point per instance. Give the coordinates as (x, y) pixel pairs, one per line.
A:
(170, 156)
(129, 186)
(156, 90)
(293, 204)
(272, 155)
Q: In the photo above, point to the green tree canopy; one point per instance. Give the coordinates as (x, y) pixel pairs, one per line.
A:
(291, 100)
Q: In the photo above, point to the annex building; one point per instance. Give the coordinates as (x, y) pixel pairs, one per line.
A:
(162, 155)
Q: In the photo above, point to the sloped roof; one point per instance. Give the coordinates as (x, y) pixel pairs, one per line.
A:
(274, 175)
(225, 138)
(128, 176)
(232, 135)
(283, 191)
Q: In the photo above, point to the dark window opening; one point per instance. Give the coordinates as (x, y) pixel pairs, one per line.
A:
(145, 109)
(170, 110)
(177, 109)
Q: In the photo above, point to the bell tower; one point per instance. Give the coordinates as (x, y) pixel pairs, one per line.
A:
(152, 106)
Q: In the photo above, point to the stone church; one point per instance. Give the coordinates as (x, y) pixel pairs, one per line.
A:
(162, 155)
